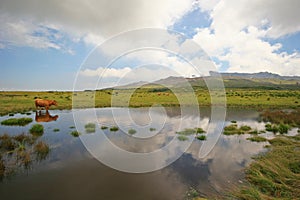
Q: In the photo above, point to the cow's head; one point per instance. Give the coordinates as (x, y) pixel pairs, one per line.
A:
(53, 102)
(55, 117)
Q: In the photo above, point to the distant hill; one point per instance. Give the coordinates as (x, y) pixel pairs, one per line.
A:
(260, 75)
(262, 80)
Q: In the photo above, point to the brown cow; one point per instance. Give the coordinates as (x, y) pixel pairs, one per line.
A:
(44, 117)
(44, 103)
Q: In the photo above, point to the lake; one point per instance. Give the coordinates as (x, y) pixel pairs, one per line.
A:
(72, 171)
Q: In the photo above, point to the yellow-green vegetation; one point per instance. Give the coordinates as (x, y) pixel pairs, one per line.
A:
(245, 128)
(56, 130)
(21, 101)
(37, 130)
(90, 128)
(20, 151)
(187, 131)
(16, 121)
(146, 96)
(114, 128)
(281, 128)
(200, 130)
(257, 139)
(275, 174)
(152, 129)
(193, 194)
(75, 133)
(41, 149)
(131, 131)
(104, 127)
(182, 138)
(201, 137)
(288, 117)
(233, 129)
(191, 131)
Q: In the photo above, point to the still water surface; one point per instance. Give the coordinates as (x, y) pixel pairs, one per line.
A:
(71, 172)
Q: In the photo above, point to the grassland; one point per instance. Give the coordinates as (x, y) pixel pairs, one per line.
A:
(22, 102)
(276, 174)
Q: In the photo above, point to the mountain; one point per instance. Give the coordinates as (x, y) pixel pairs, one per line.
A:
(261, 80)
(260, 75)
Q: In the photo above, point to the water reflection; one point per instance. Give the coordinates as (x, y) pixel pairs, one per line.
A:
(20, 151)
(70, 166)
(44, 116)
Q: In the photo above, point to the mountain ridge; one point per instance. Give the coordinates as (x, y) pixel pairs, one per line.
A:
(264, 80)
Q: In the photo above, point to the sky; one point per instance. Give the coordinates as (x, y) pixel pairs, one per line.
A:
(53, 45)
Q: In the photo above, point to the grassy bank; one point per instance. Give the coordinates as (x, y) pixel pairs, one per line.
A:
(276, 174)
(21, 102)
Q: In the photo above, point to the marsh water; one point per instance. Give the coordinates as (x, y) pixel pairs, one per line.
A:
(70, 171)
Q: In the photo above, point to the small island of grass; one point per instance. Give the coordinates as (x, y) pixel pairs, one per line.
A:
(17, 121)
(90, 128)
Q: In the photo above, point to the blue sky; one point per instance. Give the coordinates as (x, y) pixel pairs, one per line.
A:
(43, 44)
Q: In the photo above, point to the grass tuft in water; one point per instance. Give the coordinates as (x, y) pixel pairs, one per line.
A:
(56, 130)
(37, 130)
(257, 139)
(90, 128)
(245, 128)
(24, 138)
(19, 151)
(201, 137)
(114, 128)
(131, 131)
(283, 128)
(254, 132)
(104, 127)
(16, 121)
(193, 194)
(232, 130)
(152, 129)
(41, 149)
(75, 133)
(200, 130)
(182, 138)
(187, 131)
(25, 158)
(7, 143)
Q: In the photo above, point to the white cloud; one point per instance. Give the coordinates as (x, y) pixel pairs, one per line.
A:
(25, 34)
(281, 17)
(93, 20)
(239, 31)
(207, 5)
(106, 72)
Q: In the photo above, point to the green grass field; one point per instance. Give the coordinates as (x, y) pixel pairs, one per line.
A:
(21, 102)
(276, 174)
